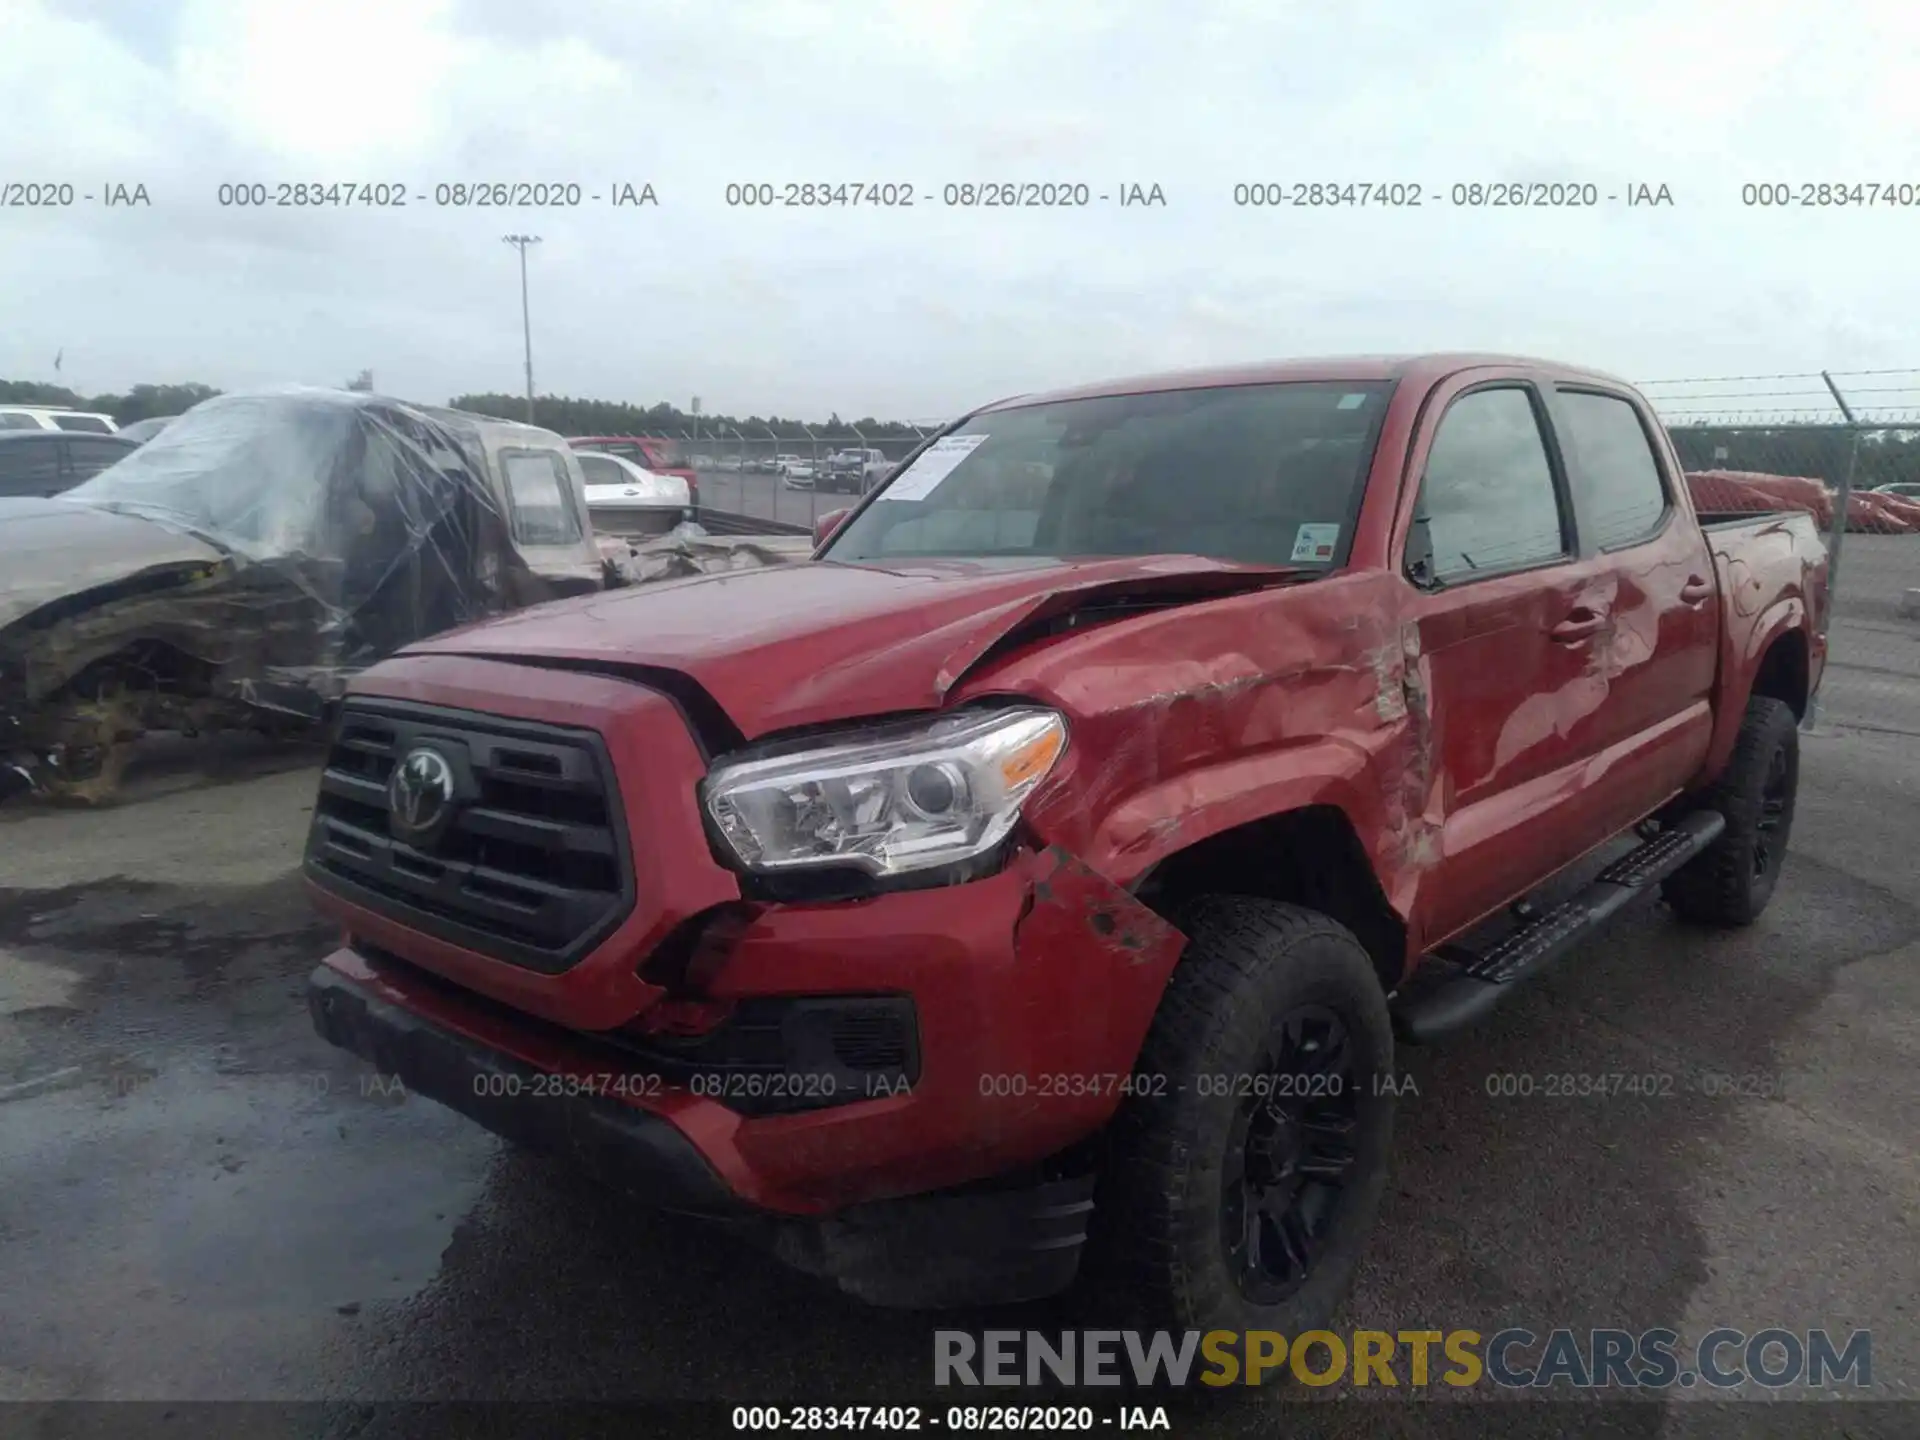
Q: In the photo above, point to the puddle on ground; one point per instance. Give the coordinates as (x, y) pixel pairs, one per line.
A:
(254, 1207)
(28, 984)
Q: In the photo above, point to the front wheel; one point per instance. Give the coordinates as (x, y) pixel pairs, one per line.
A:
(86, 775)
(91, 744)
(1241, 1190)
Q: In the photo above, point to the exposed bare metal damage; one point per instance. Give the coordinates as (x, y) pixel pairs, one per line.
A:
(237, 569)
(1069, 895)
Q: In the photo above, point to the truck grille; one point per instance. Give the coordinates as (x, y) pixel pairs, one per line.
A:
(527, 862)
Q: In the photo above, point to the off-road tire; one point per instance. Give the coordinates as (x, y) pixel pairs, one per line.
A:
(1730, 882)
(1158, 1241)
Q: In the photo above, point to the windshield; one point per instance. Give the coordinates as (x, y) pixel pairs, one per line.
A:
(1263, 474)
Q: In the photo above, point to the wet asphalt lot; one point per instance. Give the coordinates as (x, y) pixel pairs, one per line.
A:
(200, 1200)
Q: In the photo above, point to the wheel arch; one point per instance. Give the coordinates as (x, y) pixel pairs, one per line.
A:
(1776, 661)
(1783, 671)
(1310, 856)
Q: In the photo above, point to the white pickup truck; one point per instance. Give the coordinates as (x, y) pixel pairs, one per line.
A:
(854, 471)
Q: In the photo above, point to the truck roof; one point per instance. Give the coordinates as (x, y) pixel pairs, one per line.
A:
(498, 428)
(1427, 368)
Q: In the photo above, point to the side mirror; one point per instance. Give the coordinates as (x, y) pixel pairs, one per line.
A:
(825, 525)
(1419, 549)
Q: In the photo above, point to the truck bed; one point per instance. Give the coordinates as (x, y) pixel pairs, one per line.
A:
(1763, 563)
(1740, 519)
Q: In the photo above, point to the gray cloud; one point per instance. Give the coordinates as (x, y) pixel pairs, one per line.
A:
(924, 311)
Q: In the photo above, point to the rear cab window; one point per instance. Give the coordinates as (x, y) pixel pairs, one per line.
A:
(1618, 492)
(600, 469)
(89, 455)
(631, 450)
(30, 466)
(540, 495)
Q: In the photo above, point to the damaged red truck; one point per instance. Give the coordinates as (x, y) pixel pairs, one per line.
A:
(1051, 864)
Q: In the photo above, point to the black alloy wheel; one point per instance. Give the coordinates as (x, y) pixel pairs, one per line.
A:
(1289, 1153)
(1776, 795)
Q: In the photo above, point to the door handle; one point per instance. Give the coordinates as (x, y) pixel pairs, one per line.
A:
(1696, 591)
(1579, 625)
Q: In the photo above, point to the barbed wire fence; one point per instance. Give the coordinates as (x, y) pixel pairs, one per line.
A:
(1843, 446)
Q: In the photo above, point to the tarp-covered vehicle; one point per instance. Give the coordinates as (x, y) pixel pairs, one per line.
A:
(237, 569)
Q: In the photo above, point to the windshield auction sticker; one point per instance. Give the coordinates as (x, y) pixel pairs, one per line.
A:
(1315, 542)
(936, 462)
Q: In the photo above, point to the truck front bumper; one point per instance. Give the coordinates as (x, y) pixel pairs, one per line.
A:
(1032, 990)
(1031, 993)
(982, 1245)
(619, 1145)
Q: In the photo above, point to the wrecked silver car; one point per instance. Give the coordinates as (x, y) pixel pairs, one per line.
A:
(235, 571)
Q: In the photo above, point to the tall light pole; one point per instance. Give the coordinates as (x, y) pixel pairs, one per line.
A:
(520, 243)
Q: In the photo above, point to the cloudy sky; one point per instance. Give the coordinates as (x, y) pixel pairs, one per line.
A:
(916, 313)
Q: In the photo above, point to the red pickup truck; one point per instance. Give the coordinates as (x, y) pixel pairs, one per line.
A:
(1052, 863)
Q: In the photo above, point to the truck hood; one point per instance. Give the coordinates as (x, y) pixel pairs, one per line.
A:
(50, 549)
(821, 641)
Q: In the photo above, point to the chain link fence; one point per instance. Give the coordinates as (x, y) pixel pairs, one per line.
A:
(786, 481)
(1845, 448)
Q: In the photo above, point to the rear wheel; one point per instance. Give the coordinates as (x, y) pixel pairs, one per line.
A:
(1242, 1189)
(1730, 882)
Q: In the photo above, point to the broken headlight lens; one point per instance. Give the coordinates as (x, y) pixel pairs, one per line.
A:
(889, 801)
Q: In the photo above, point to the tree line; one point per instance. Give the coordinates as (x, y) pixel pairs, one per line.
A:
(562, 413)
(614, 417)
(1818, 450)
(142, 402)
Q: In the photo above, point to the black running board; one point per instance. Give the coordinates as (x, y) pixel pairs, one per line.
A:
(1452, 989)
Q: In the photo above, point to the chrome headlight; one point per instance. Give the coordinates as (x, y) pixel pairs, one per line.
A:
(889, 800)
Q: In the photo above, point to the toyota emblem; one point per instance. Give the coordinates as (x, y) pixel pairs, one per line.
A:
(420, 794)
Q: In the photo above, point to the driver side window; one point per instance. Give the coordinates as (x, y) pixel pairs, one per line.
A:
(1487, 500)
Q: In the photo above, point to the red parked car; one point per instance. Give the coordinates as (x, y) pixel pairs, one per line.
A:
(1061, 853)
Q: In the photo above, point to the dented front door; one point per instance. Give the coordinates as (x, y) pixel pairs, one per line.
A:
(1509, 621)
